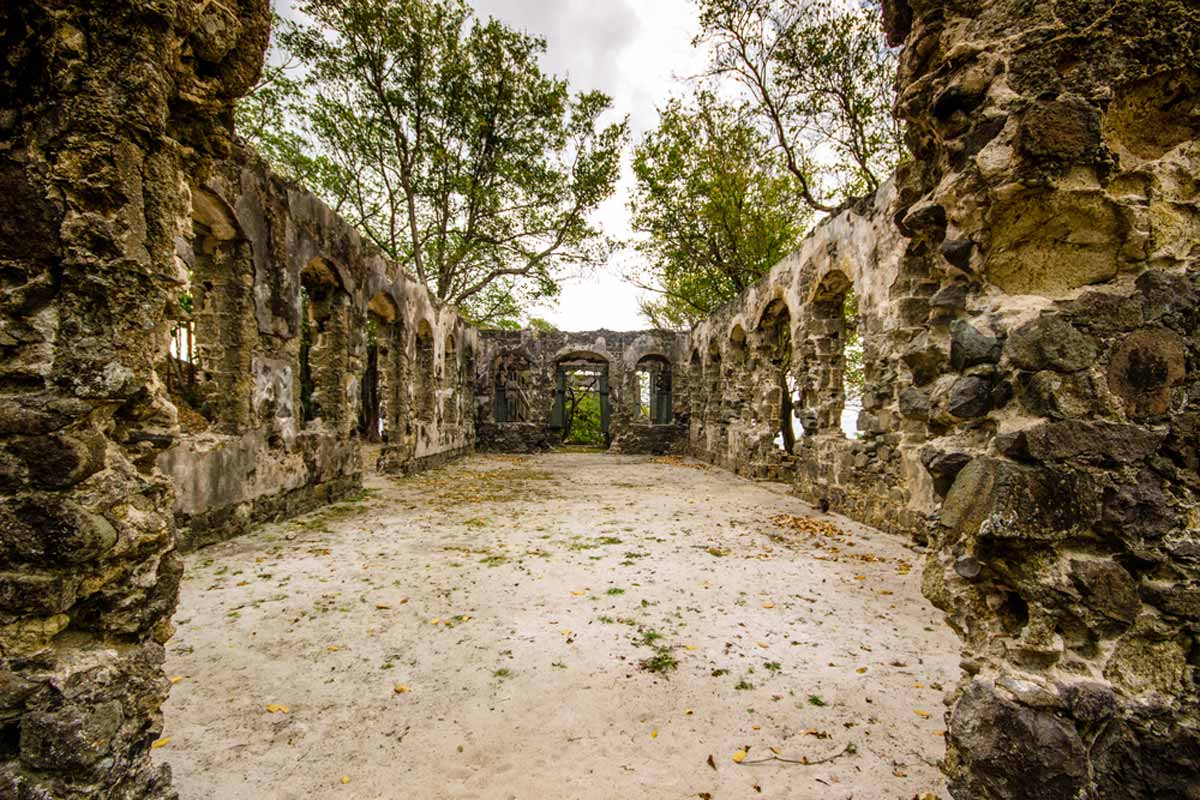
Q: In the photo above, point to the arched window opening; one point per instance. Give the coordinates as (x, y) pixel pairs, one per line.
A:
(853, 374)
(835, 399)
(323, 346)
(653, 375)
(450, 377)
(775, 349)
(377, 413)
(424, 384)
(208, 371)
(512, 378)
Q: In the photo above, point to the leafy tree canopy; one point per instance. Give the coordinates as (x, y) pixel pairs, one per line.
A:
(821, 79)
(716, 207)
(438, 135)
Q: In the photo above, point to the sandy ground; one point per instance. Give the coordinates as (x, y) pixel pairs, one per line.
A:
(492, 630)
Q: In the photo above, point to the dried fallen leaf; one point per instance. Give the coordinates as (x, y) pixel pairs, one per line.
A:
(333, 648)
(768, 605)
(689, 712)
(276, 708)
(382, 606)
(861, 670)
(345, 779)
(739, 756)
(174, 679)
(776, 750)
(578, 594)
(400, 688)
(921, 714)
(435, 621)
(163, 742)
(654, 734)
(711, 763)
(690, 647)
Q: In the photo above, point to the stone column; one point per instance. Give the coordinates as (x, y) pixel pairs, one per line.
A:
(107, 112)
(1054, 213)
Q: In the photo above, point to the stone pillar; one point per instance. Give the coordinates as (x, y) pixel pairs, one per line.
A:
(1054, 213)
(107, 112)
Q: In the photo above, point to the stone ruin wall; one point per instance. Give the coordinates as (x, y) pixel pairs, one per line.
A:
(123, 190)
(255, 242)
(1029, 297)
(107, 111)
(1029, 315)
(1054, 187)
(535, 355)
(793, 320)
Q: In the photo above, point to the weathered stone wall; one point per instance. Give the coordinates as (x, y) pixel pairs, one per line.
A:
(525, 364)
(793, 322)
(1053, 193)
(1029, 305)
(286, 293)
(107, 110)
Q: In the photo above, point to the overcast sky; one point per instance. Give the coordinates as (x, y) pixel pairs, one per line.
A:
(632, 50)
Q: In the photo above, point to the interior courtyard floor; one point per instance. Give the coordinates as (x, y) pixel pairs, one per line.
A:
(559, 626)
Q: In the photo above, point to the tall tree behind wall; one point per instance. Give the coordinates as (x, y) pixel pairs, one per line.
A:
(793, 119)
(440, 138)
(821, 78)
(715, 206)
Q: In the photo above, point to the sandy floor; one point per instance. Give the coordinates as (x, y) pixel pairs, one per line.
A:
(492, 630)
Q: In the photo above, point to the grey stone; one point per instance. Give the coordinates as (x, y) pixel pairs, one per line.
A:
(969, 347)
(957, 252)
(994, 498)
(1051, 342)
(914, 404)
(1098, 442)
(1008, 751)
(1107, 587)
(970, 398)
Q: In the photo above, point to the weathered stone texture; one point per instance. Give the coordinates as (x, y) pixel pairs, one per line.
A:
(1055, 149)
(524, 365)
(295, 297)
(791, 327)
(105, 111)
(1028, 291)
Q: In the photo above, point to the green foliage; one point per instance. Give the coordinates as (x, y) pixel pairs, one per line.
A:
(439, 136)
(821, 78)
(583, 419)
(661, 663)
(716, 207)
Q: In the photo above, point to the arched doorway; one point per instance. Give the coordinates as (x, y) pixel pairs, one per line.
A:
(582, 410)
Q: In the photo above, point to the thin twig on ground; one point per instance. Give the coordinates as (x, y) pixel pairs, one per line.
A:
(804, 762)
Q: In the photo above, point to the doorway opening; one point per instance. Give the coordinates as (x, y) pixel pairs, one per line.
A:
(582, 408)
